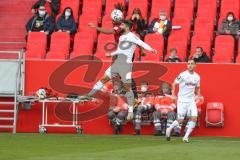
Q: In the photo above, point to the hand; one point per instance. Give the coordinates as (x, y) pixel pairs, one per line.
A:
(91, 25)
(142, 53)
(174, 97)
(47, 32)
(154, 51)
(59, 30)
(50, 1)
(130, 116)
(68, 32)
(227, 31)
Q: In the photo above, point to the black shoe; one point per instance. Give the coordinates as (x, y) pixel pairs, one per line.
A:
(157, 133)
(137, 132)
(115, 129)
(120, 129)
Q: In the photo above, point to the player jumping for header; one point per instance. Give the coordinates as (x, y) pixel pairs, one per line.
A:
(123, 63)
(189, 82)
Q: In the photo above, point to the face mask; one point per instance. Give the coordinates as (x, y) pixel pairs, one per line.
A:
(163, 17)
(42, 13)
(67, 14)
(143, 88)
(230, 18)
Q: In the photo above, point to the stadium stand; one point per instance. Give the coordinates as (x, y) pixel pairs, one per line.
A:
(196, 18)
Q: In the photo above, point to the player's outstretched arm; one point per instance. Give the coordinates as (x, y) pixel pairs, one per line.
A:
(100, 29)
(139, 42)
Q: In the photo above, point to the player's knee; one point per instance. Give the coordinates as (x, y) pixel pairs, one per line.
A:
(194, 119)
(111, 115)
(121, 116)
(192, 124)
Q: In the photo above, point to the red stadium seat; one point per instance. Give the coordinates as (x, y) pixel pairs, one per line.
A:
(92, 7)
(207, 8)
(180, 43)
(156, 41)
(36, 45)
(83, 45)
(185, 27)
(60, 45)
(224, 49)
(74, 4)
(230, 5)
(110, 5)
(103, 40)
(84, 20)
(142, 4)
(204, 26)
(214, 115)
(184, 9)
(181, 13)
(160, 5)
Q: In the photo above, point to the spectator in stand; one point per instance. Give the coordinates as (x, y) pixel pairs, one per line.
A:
(66, 22)
(173, 56)
(160, 25)
(52, 6)
(200, 56)
(41, 22)
(138, 22)
(230, 25)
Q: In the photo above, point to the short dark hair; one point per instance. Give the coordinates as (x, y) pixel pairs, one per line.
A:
(173, 49)
(128, 23)
(192, 59)
(199, 48)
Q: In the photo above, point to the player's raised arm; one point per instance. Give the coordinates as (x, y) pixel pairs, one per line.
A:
(100, 29)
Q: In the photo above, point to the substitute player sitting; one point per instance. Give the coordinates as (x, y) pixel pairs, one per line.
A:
(144, 104)
(189, 82)
(118, 107)
(165, 110)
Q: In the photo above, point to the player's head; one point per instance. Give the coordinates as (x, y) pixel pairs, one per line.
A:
(126, 26)
(191, 64)
(144, 86)
(166, 89)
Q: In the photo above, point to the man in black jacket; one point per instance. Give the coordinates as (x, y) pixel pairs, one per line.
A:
(41, 22)
(53, 4)
(201, 56)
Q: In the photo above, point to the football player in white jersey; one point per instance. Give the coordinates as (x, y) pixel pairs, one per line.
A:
(189, 83)
(123, 63)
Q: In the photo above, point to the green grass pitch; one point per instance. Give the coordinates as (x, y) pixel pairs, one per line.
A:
(108, 147)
